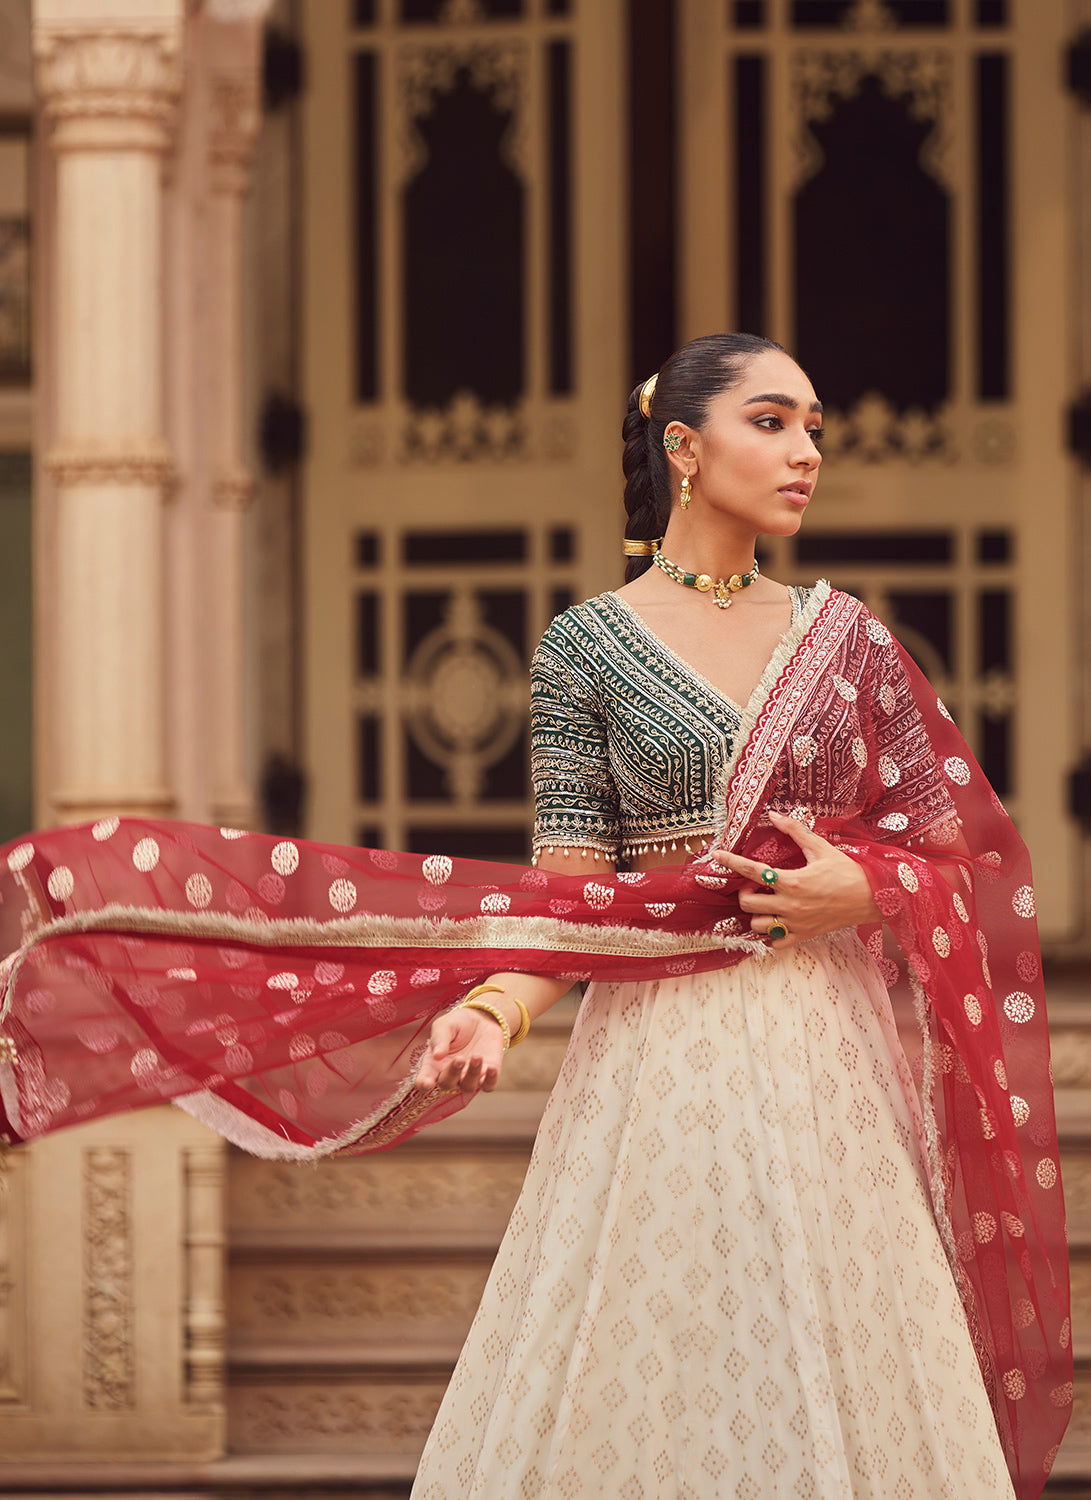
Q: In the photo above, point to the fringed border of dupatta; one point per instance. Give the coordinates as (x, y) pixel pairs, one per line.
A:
(551, 934)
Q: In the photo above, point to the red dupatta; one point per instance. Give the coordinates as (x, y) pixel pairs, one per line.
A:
(282, 990)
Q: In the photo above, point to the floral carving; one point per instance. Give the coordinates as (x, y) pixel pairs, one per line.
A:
(232, 490)
(143, 461)
(109, 1365)
(360, 1418)
(500, 69)
(372, 1190)
(295, 1300)
(924, 78)
(124, 77)
(236, 121)
(465, 431)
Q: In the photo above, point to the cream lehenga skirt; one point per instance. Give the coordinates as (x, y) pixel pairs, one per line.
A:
(723, 1276)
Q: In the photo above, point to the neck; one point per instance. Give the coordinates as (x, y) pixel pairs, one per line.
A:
(699, 550)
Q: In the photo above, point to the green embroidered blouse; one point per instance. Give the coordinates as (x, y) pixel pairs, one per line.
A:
(628, 743)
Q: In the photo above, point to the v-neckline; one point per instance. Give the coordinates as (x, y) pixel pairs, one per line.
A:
(742, 711)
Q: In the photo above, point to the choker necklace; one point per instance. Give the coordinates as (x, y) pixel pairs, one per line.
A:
(722, 588)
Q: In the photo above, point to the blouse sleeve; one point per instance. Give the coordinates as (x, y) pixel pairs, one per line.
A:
(916, 804)
(575, 798)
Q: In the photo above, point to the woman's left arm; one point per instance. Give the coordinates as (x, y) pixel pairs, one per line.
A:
(831, 890)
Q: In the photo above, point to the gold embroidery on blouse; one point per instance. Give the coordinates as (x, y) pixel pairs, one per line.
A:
(628, 742)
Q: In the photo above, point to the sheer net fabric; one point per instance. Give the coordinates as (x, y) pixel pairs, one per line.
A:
(284, 989)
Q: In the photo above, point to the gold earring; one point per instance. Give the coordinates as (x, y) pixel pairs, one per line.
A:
(687, 492)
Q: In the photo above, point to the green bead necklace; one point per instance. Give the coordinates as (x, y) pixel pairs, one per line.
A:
(721, 588)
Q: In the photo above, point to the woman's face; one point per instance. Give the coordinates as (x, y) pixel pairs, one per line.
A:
(756, 456)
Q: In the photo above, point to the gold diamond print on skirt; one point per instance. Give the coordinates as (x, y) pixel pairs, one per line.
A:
(723, 1277)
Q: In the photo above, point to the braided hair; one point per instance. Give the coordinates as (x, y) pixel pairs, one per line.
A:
(692, 377)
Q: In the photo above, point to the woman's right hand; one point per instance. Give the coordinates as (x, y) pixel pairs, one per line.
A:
(465, 1053)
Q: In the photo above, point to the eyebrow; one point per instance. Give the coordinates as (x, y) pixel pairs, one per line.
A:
(777, 398)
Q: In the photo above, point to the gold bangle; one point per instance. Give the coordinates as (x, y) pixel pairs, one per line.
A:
(483, 989)
(490, 1010)
(524, 1021)
(514, 1038)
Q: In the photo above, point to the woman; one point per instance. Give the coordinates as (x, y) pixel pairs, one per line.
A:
(753, 1255)
(724, 1275)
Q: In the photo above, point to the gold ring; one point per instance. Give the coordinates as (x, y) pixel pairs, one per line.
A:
(778, 929)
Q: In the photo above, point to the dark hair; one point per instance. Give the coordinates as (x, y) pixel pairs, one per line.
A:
(687, 383)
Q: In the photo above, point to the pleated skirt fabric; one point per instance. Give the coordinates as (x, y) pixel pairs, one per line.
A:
(723, 1276)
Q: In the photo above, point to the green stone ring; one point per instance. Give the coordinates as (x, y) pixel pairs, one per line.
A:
(778, 929)
(769, 877)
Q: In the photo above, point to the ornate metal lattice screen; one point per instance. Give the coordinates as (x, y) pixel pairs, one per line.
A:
(463, 182)
(444, 626)
(895, 214)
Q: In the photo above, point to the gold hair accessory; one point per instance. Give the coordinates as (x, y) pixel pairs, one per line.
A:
(633, 548)
(647, 391)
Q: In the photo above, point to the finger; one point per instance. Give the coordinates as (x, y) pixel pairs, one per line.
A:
(761, 926)
(432, 1075)
(759, 903)
(750, 869)
(470, 1081)
(811, 843)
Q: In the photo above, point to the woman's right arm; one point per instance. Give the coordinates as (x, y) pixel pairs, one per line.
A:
(574, 793)
(466, 1046)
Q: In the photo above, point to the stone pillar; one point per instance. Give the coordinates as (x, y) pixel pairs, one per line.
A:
(109, 90)
(111, 1253)
(234, 53)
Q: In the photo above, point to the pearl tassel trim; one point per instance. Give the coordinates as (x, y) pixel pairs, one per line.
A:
(701, 842)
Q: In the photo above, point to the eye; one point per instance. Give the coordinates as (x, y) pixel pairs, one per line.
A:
(769, 417)
(816, 434)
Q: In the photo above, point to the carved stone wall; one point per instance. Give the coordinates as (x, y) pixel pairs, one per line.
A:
(111, 1302)
(146, 111)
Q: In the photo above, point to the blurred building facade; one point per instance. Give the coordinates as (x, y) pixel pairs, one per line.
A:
(336, 306)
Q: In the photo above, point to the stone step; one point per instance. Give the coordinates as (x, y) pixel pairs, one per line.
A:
(376, 1413)
(462, 1177)
(304, 1476)
(361, 1294)
(365, 1358)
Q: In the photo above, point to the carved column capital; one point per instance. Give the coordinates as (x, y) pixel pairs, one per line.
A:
(236, 120)
(109, 87)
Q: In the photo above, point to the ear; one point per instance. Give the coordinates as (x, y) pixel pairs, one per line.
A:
(683, 458)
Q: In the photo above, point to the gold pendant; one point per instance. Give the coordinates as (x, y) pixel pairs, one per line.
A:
(722, 594)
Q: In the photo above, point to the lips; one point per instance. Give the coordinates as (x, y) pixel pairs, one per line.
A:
(799, 489)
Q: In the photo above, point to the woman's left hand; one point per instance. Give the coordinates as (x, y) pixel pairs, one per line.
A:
(830, 891)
